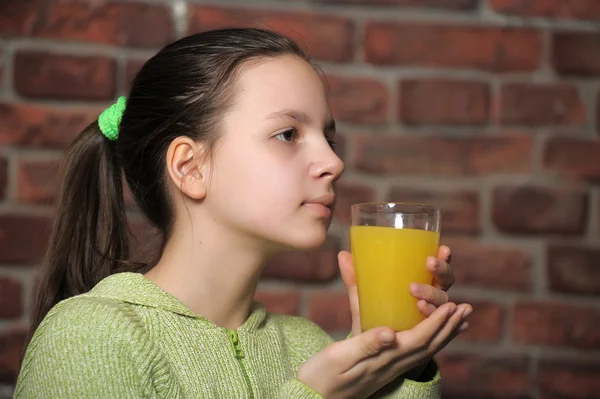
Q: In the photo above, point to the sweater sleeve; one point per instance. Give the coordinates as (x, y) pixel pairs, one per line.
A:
(91, 348)
(305, 339)
(402, 388)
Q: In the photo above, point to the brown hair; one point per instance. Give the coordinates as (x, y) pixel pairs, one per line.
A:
(181, 91)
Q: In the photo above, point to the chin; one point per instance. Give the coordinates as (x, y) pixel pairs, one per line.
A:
(309, 244)
(309, 238)
(298, 236)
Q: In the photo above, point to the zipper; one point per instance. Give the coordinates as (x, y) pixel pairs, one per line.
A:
(239, 354)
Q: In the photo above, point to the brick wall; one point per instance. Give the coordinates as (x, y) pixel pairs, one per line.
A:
(490, 109)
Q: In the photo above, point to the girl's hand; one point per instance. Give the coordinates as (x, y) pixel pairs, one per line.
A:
(360, 366)
(430, 296)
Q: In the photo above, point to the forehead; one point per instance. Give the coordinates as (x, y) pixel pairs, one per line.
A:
(285, 82)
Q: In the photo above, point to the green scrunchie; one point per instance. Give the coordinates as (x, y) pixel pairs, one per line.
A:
(110, 119)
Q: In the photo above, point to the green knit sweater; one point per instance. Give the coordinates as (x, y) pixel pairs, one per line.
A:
(128, 338)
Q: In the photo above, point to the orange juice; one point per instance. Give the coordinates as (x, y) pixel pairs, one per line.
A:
(387, 260)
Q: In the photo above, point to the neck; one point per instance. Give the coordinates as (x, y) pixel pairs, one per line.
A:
(212, 272)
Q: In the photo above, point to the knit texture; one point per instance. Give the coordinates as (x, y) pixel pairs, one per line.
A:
(110, 119)
(128, 338)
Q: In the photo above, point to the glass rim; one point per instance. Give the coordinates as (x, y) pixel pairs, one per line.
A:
(403, 207)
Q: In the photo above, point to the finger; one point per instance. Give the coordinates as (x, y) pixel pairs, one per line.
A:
(394, 362)
(368, 344)
(428, 293)
(393, 368)
(412, 344)
(443, 275)
(444, 253)
(347, 269)
(439, 329)
(425, 307)
(421, 335)
(451, 329)
(349, 278)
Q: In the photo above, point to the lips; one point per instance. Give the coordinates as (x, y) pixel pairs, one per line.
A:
(321, 205)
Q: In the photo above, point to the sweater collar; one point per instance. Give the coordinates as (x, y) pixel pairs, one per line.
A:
(136, 289)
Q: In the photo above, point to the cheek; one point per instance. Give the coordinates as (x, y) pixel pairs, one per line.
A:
(262, 188)
(273, 189)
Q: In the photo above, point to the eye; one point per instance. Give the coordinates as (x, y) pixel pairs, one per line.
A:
(289, 135)
(332, 142)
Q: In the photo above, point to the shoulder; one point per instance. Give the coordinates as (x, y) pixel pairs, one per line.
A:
(301, 335)
(296, 324)
(91, 345)
(85, 324)
(85, 315)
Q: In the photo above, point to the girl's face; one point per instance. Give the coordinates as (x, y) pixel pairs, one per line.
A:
(274, 166)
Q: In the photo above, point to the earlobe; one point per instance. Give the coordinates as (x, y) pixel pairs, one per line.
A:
(185, 167)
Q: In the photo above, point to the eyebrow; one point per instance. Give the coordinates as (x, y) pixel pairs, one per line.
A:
(301, 117)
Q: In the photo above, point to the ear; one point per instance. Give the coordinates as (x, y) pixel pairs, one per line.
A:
(186, 167)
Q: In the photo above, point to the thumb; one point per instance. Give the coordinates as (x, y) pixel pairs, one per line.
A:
(347, 269)
(349, 279)
(371, 343)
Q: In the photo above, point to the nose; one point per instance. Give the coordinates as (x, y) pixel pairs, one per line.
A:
(329, 166)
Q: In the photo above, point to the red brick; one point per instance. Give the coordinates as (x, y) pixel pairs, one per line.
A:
(349, 194)
(443, 102)
(358, 100)
(17, 16)
(101, 22)
(11, 298)
(556, 324)
(319, 265)
(569, 379)
(483, 376)
(280, 302)
(451, 5)
(578, 9)
(37, 181)
(331, 311)
(576, 53)
(574, 269)
(326, 37)
(445, 156)
(486, 322)
(598, 112)
(573, 158)
(445, 45)
(540, 104)
(27, 125)
(460, 209)
(39, 74)
(2, 73)
(131, 69)
(107, 23)
(3, 178)
(539, 210)
(23, 238)
(12, 343)
(489, 265)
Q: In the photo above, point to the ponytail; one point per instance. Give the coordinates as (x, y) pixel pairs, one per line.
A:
(89, 238)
